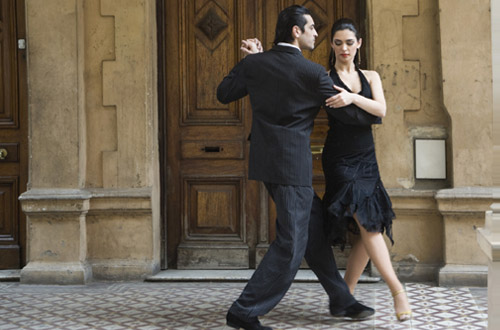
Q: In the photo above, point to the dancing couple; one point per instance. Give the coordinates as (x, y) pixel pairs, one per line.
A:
(286, 92)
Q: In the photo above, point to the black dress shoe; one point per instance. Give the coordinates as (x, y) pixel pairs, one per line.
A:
(354, 312)
(253, 324)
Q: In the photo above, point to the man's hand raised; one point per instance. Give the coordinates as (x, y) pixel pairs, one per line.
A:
(251, 46)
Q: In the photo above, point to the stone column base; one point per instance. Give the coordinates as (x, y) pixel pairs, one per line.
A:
(463, 275)
(56, 273)
(57, 236)
(463, 210)
(123, 270)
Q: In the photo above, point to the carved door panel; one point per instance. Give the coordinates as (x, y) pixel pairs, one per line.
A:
(211, 207)
(214, 216)
(13, 135)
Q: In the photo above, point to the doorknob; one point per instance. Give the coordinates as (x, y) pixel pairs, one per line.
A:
(3, 154)
(317, 149)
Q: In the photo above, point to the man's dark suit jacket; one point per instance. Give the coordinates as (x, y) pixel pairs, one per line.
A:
(286, 92)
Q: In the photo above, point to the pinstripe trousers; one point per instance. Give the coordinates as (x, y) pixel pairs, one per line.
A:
(295, 206)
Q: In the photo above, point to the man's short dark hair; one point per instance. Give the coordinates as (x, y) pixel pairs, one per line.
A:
(287, 19)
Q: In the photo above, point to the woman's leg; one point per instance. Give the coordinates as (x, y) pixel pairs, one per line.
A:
(379, 254)
(356, 264)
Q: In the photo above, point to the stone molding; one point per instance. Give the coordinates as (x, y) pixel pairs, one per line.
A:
(413, 202)
(465, 201)
(58, 201)
(119, 201)
(39, 201)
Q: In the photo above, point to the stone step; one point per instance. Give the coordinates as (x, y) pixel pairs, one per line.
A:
(240, 275)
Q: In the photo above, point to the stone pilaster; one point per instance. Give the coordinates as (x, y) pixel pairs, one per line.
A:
(57, 248)
(54, 204)
(470, 107)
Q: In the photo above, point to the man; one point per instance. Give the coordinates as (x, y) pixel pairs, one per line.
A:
(286, 91)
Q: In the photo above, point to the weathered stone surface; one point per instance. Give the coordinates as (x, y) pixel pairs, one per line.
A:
(467, 88)
(53, 93)
(400, 76)
(127, 86)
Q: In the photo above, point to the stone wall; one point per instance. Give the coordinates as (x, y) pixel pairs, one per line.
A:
(436, 88)
(93, 198)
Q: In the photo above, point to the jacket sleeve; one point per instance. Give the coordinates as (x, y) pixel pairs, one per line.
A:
(350, 114)
(233, 86)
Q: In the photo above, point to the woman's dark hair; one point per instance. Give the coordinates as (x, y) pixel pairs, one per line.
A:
(340, 25)
(287, 19)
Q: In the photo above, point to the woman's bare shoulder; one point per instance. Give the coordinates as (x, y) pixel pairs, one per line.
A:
(371, 75)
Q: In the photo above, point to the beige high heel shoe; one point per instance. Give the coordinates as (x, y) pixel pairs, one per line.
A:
(402, 316)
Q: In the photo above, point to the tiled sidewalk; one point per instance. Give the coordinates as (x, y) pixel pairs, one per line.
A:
(202, 305)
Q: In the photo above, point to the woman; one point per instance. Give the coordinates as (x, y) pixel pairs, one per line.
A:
(355, 199)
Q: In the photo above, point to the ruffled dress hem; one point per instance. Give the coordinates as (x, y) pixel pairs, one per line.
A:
(374, 212)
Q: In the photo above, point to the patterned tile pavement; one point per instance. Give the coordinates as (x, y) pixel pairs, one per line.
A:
(202, 305)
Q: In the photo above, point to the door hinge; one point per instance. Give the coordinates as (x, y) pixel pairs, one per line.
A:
(21, 43)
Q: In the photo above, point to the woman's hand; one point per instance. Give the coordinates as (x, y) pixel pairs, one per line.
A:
(251, 46)
(340, 100)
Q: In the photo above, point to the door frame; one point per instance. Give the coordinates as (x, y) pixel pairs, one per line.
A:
(22, 79)
(162, 126)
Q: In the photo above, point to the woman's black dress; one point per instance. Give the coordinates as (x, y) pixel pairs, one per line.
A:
(353, 183)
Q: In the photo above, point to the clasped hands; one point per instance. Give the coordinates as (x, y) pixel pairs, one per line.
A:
(342, 99)
(251, 46)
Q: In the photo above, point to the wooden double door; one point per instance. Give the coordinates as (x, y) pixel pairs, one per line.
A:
(13, 133)
(213, 216)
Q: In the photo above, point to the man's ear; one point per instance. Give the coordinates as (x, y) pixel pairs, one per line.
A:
(296, 31)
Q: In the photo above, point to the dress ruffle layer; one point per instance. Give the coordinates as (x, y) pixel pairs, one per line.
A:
(371, 203)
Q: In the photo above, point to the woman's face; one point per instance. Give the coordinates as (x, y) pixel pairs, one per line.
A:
(345, 45)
